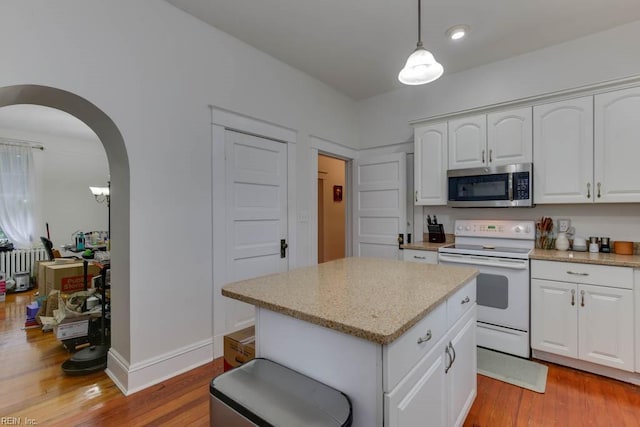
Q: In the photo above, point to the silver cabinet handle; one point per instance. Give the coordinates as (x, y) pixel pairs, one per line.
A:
(453, 350)
(425, 338)
(588, 190)
(465, 300)
(449, 361)
(482, 156)
(416, 195)
(573, 297)
(490, 156)
(577, 273)
(419, 257)
(598, 190)
(581, 298)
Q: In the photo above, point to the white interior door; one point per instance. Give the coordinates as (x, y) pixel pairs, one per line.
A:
(379, 205)
(256, 195)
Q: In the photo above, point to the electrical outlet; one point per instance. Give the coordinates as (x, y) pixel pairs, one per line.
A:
(563, 225)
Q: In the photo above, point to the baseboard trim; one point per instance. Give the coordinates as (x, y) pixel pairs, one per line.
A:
(605, 371)
(138, 376)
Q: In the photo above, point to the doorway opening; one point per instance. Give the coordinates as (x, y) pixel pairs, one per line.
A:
(111, 138)
(332, 202)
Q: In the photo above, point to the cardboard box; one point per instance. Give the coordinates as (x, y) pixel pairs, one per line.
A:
(41, 283)
(75, 328)
(68, 278)
(239, 347)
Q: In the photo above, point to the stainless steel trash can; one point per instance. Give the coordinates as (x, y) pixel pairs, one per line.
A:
(265, 393)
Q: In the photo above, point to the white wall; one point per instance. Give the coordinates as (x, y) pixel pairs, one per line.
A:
(65, 169)
(154, 70)
(612, 54)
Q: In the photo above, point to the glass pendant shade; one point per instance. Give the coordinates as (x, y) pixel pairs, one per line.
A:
(421, 68)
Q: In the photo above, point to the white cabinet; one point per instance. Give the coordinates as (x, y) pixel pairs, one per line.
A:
(468, 142)
(617, 146)
(509, 137)
(636, 285)
(563, 151)
(585, 149)
(430, 168)
(416, 255)
(441, 388)
(495, 139)
(587, 316)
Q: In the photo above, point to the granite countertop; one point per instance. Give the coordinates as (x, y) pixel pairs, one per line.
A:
(374, 299)
(587, 257)
(428, 246)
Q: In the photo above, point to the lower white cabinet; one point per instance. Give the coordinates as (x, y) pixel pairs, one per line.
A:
(441, 388)
(417, 255)
(589, 322)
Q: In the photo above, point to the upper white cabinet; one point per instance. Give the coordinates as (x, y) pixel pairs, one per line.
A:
(509, 137)
(430, 171)
(494, 139)
(585, 149)
(563, 151)
(617, 146)
(468, 142)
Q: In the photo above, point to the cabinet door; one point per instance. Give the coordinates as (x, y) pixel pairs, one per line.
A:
(416, 255)
(430, 169)
(606, 326)
(420, 398)
(554, 317)
(461, 377)
(617, 146)
(509, 137)
(468, 142)
(563, 151)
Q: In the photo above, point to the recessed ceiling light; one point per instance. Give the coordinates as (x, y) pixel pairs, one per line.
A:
(457, 32)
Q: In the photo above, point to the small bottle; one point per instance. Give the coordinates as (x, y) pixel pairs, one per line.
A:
(80, 241)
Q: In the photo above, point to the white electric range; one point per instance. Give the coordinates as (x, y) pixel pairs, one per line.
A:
(500, 250)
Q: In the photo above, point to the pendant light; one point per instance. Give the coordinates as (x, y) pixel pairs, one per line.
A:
(421, 67)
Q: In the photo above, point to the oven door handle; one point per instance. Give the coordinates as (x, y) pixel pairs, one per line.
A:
(515, 264)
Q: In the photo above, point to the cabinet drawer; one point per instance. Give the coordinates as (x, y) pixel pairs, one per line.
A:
(415, 255)
(403, 354)
(603, 275)
(460, 302)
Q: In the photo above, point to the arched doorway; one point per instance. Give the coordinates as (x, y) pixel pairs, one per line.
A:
(114, 146)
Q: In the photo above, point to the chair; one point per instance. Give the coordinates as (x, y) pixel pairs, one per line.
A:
(48, 246)
(52, 254)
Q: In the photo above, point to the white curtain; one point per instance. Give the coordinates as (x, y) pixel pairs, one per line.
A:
(17, 193)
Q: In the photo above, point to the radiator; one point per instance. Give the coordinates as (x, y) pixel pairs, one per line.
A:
(21, 260)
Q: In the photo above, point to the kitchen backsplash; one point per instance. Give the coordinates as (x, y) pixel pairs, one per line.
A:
(617, 221)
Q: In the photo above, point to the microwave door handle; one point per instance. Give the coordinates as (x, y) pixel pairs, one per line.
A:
(510, 187)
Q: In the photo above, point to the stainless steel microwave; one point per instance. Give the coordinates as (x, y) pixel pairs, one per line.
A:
(509, 186)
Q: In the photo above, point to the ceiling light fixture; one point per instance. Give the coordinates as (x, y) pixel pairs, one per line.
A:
(457, 32)
(421, 66)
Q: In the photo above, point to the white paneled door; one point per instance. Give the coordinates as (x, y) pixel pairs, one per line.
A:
(256, 176)
(379, 205)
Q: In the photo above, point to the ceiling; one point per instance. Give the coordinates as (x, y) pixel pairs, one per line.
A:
(44, 121)
(359, 46)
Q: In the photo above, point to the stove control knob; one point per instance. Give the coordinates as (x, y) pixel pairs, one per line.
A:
(467, 228)
(527, 230)
(518, 229)
(460, 227)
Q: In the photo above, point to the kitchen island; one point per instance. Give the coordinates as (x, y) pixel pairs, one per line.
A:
(398, 338)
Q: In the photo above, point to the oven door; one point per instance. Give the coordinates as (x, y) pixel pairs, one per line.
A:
(502, 288)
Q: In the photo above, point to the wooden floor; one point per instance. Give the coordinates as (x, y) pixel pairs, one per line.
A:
(33, 387)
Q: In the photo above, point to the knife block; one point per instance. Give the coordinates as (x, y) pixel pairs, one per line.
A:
(436, 233)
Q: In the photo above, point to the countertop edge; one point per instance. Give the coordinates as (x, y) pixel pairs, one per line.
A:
(632, 261)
